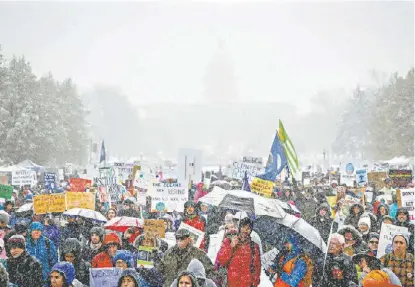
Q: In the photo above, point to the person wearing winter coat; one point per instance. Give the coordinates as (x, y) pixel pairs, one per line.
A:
(339, 269)
(364, 227)
(110, 245)
(94, 245)
(62, 274)
(192, 218)
(322, 221)
(130, 278)
(71, 252)
(41, 247)
(4, 278)
(177, 258)
(187, 279)
(52, 231)
(128, 209)
(373, 244)
(354, 242)
(4, 221)
(402, 219)
(72, 229)
(197, 269)
(24, 269)
(20, 228)
(241, 256)
(307, 204)
(123, 259)
(355, 211)
(381, 211)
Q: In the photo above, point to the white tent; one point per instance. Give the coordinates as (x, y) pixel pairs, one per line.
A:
(12, 168)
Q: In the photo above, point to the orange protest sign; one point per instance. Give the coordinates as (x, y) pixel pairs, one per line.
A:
(154, 228)
(80, 200)
(47, 203)
(79, 184)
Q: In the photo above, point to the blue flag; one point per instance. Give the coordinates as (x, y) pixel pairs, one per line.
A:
(103, 156)
(276, 161)
(245, 185)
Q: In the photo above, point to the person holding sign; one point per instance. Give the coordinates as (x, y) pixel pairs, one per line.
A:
(193, 219)
(402, 219)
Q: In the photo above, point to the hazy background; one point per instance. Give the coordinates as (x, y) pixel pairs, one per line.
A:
(155, 77)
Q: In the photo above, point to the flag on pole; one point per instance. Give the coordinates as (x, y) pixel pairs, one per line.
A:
(103, 155)
(289, 149)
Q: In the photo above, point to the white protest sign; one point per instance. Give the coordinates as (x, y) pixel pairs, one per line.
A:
(196, 235)
(407, 200)
(123, 170)
(387, 232)
(68, 168)
(168, 197)
(347, 203)
(238, 169)
(268, 258)
(347, 179)
(104, 277)
(361, 177)
(189, 165)
(24, 177)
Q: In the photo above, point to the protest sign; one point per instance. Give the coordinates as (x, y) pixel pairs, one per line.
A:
(4, 179)
(68, 168)
(196, 235)
(189, 166)
(238, 169)
(104, 277)
(47, 203)
(6, 191)
(167, 197)
(306, 178)
(378, 178)
(107, 177)
(268, 258)
(252, 159)
(348, 202)
(124, 171)
(406, 198)
(80, 200)
(361, 177)
(79, 184)
(141, 196)
(347, 179)
(387, 231)
(262, 187)
(103, 194)
(50, 180)
(154, 228)
(400, 177)
(144, 257)
(24, 177)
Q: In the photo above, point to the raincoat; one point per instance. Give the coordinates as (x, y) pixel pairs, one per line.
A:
(53, 233)
(323, 223)
(103, 259)
(73, 246)
(196, 267)
(43, 249)
(25, 270)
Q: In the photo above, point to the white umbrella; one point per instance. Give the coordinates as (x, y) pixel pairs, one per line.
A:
(86, 213)
(25, 207)
(243, 201)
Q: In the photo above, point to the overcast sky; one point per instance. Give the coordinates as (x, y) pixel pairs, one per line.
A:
(159, 52)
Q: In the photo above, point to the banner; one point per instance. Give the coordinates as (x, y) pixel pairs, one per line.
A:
(407, 198)
(387, 231)
(400, 177)
(189, 167)
(196, 235)
(154, 228)
(104, 277)
(262, 187)
(107, 178)
(238, 169)
(361, 177)
(6, 191)
(167, 197)
(50, 180)
(84, 200)
(347, 179)
(79, 184)
(24, 177)
(378, 178)
(47, 203)
(124, 171)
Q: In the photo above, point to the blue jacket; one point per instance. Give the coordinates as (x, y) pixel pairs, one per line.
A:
(53, 233)
(46, 256)
(300, 267)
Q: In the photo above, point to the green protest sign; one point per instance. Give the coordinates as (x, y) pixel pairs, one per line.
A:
(6, 191)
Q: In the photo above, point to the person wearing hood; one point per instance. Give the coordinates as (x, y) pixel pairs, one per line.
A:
(52, 231)
(186, 279)
(355, 212)
(192, 218)
(177, 258)
(130, 278)
(197, 269)
(62, 274)
(4, 221)
(123, 259)
(20, 228)
(71, 252)
(24, 269)
(307, 204)
(339, 269)
(94, 245)
(354, 242)
(72, 229)
(402, 219)
(288, 265)
(41, 247)
(387, 219)
(4, 278)
(364, 227)
(381, 211)
(373, 244)
(111, 213)
(322, 221)
(128, 209)
(110, 245)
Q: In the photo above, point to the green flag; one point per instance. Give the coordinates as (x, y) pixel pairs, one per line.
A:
(289, 149)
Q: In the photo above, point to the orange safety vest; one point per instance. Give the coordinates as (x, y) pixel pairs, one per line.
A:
(288, 268)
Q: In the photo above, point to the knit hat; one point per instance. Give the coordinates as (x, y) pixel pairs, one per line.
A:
(125, 256)
(4, 216)
(16, 241)
(35, 226)
(66, 269)
(182, 233)
(364, 220)
(373, 235)
(111, 238)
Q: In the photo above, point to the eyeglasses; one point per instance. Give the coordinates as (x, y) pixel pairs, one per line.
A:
(399, 242)
(374, 242)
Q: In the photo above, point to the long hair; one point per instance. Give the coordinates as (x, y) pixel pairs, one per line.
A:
(190, 275)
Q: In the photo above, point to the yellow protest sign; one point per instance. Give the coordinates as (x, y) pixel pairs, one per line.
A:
(80, 200)
(262, 187)
(47, 203)
(154, 228)
(378, 178)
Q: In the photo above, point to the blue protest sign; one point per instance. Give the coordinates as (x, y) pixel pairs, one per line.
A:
(361, 177)
(50, 180)
(349, 168)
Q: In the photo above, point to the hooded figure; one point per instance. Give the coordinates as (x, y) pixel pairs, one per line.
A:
(65, 270)
(364, 227)
(353, 240)
(355, 211)
(322, 221)
(197, 269)
(4, 278)
(130, 275)
(125, 256)
(187, 276)
(41, 247)
(402, 219)
(52, 232)
(110, 244)
(71, 252)
(381, 211)
(373, 244)
(94, 245)
(129, 209)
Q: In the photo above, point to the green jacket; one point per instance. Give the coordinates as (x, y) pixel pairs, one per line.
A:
(175, 260)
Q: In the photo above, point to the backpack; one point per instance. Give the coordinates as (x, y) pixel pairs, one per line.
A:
(308, 277)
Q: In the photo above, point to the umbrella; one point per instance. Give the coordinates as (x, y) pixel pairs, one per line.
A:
(86, 213)
(25, 208)
(121, 224)
(241, 200)
(221, 183)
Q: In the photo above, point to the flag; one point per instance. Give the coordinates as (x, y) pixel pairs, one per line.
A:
(245, 185)
(289, 149)
(276, 161)
(102, 157)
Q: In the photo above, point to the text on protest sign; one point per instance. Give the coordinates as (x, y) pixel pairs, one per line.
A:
(104, 277)
(50, 180)
(84, 200)
(79, 184)
(24, 177)
(251, 159)
(263, 187)
(361, 177)
(196, 235)
(238, 169)
(347, 179)
(107, 177)
(387, 232)
(400, 177)
(407, 198)
(47, 203)
(154, 228)
(144, 256)
(167, 197)
(378, 178)
(6, 191)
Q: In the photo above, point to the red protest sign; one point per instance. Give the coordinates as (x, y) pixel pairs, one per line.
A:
(79, 184)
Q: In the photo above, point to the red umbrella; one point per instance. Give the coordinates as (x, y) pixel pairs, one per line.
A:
(121, 224)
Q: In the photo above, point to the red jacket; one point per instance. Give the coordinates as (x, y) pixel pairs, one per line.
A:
(239, 264)
(199, 224)
(102, 260)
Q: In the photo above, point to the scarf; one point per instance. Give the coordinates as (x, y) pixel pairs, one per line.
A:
(95, 246)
